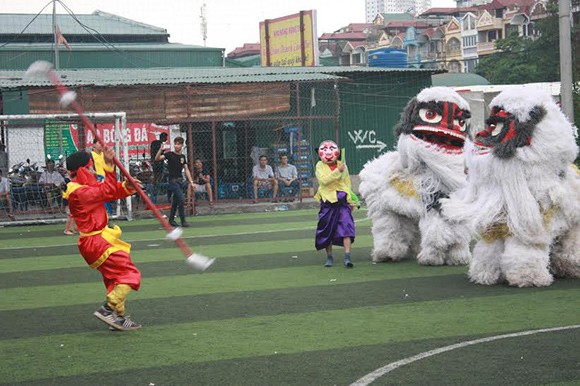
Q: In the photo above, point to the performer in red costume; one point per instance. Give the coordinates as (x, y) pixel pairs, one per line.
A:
(100, 245)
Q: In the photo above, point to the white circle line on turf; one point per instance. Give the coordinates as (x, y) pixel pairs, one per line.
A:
(371, 377)
(194, 236)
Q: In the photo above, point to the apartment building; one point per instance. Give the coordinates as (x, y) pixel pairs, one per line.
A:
(413, 7)
(448, 38)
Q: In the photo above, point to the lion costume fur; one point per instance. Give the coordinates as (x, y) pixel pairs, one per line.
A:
(523, 193)
(403, 188)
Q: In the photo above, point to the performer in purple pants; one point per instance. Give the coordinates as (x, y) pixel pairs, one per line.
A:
(335, 222)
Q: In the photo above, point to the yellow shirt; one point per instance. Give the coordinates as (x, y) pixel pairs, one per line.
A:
(331, 181)
(99, 162)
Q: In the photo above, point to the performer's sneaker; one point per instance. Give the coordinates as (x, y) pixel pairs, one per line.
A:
(185, 224)
(348, 263)
(106, 314)
(329, 262)
(124, 323)
(173, 223)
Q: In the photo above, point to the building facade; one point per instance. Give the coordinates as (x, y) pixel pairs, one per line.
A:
(453, 39)
(414, 7)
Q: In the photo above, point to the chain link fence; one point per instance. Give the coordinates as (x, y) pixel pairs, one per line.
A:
(34, 163)
(228, 149)
(228, 145)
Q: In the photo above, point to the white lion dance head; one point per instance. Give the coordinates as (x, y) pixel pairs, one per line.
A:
(403, 189)
(523, 194)
(431, 134)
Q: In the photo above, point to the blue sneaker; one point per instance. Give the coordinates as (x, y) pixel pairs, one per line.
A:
(329, 262)
(348, 263)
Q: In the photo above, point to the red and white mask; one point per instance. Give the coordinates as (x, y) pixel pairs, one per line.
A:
(328, 152)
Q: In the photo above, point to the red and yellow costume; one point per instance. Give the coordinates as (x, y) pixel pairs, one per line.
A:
(99, 244)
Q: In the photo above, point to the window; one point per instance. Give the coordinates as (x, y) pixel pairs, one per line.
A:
(468, 23)
(453, 46)
(470, 65)
(531, 29)
(469, 41)
(454, 66)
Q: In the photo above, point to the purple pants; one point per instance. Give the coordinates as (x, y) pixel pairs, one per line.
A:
(335, 222)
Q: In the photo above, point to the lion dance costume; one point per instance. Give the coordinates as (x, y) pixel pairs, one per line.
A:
(99, 244)
(523, 194)
(403, 188)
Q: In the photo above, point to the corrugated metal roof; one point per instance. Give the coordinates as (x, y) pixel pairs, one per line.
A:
(101, 47)
(152, 76)
(105, 23)
(458, 79)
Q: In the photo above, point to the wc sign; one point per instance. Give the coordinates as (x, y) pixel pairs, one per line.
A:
(366, 139)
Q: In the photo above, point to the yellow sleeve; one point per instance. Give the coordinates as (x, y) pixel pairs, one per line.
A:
(99, 162)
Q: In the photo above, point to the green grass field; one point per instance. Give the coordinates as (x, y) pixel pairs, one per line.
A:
(268, 313)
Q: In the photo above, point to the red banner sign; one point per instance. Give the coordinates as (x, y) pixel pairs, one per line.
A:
(138, 136)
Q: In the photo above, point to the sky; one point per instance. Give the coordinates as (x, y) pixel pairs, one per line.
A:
(230, 23)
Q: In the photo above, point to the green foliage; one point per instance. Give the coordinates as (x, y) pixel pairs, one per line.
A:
(522, 60)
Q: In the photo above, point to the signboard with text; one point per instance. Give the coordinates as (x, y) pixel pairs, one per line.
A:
(289, 41)
(138, 136)
(58, 140)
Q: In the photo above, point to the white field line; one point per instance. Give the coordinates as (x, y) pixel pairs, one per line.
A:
(201, 236)
(371, 377)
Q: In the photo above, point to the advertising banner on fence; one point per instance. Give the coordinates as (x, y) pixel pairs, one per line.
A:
(58, 140)
(138, 136)
(289, 41)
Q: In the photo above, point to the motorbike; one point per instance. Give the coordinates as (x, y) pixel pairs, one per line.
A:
(140, 169)
(22, 173)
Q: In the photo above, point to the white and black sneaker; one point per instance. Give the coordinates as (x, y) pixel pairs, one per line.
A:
(106, 314)
(124, 323)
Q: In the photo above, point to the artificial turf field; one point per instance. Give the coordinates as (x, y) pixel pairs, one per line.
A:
(268, 313)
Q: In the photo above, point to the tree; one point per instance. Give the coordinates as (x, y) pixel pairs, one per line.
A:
(511, 64)
(520, 59)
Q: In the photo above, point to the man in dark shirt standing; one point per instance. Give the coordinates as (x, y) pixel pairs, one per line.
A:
(176, 163)
(157, 165)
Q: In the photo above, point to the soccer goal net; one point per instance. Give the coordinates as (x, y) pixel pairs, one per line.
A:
(33, 164)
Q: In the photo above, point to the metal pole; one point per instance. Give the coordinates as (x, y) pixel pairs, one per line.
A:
(565, 59)
(54, 34)
(214, 156)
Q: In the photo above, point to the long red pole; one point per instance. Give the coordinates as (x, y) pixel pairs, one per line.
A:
(66, 93)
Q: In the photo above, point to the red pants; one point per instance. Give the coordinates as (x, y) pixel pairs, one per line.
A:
(119, 269)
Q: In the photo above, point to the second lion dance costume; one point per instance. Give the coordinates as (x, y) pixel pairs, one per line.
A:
(101, 246)
(523, 193)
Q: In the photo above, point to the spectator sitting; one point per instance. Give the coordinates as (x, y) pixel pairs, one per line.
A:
(287, 176)
(5, 196)
(264, 178)
(202, 180)
(51, 180)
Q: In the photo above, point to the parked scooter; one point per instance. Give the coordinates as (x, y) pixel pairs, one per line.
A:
(22, 173)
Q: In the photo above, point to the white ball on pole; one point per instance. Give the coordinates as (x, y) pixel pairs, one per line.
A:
(199, 262)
